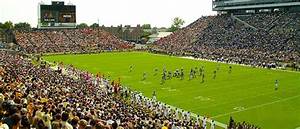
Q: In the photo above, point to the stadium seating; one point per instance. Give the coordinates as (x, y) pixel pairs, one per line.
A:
(272, 43)
(73, 40)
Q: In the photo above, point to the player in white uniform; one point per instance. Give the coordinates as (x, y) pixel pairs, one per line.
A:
(188, 115)
(176, 113)
(276, 84)
(204, 122)
(198, 120)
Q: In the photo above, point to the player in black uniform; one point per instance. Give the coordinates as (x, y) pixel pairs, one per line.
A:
(163, 78)
(144, 76)
(181, 74)
(214, 74)
(155, 71)
(230, 69)
(130, 68)
(203, 75)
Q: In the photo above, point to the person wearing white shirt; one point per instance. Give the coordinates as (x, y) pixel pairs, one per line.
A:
(3, 125)
(212, 124)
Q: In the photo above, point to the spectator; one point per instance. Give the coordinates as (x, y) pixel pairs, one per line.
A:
(222, 38)
(16, 121)
(75, 40)
(3, 125)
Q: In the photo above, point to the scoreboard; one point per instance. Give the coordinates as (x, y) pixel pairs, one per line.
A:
(57, 15)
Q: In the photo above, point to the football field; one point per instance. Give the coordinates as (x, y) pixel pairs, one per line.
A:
(246, 93)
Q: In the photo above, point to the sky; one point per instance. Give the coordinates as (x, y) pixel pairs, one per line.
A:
(158, 13)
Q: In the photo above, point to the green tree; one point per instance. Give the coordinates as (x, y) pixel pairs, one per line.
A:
(82, 25)
(146, 34)
(126, 33)
(154, 30)
(94, 25)
(22, 26)
(146, 26)
(7, 25)
(177, 24)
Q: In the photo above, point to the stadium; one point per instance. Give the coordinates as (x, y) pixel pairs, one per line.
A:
(238, 69)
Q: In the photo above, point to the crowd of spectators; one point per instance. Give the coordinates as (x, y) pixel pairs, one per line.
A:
(25, 42)
(180, 40)
(223, 38)
(69, 40)
(38, 96)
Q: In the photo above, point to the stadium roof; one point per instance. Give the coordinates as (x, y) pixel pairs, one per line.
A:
(258, 6)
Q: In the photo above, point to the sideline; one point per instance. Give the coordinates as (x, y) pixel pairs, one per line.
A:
(200, 59)
(222, 125)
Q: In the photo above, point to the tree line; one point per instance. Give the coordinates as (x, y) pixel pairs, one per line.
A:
(177, 23)
(140, 33)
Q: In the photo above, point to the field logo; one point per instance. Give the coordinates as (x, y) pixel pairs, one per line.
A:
(169, 89)
(202, 98)
(240, 108)
(145, 82)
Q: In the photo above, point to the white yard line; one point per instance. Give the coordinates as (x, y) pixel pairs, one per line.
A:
(257, 106)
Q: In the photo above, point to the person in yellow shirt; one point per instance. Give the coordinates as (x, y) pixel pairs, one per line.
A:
(165, 126)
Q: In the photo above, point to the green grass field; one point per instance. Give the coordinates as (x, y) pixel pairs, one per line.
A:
(247, 93)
